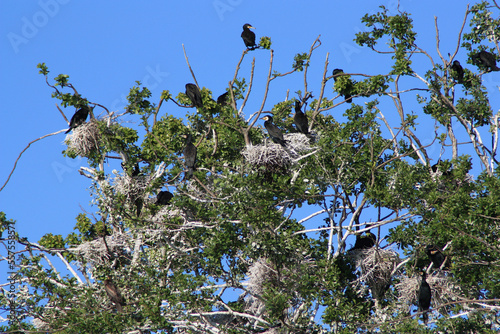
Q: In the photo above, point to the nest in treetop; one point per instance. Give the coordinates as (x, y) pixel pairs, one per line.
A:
(442, 289)
(84, 139)
(376, 266)
(273, 156)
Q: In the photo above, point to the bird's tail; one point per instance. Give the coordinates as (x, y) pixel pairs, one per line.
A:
(189, 174)
(425, 317)
(495, 68)
(119, 308)
(68, 131)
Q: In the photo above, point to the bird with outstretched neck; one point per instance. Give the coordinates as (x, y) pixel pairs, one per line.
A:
(274, 132)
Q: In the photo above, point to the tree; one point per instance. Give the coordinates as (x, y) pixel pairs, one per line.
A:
(230, 253)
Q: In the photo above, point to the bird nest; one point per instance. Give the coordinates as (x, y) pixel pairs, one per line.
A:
(261, 273)
(98, 252)
(273, 156)
(443, 290)
(376, 266)
(84, 139)
(132, 187)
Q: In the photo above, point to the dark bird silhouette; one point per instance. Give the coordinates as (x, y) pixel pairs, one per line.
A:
(194, 95)
(438, 167)
(424, 297)
(300, 119)
(222, 99)
(458, 71)
(345, 93)
(164, 197)
(275, 132)
(487, 59)
(78, 118)
(190, 156)
(365, 241)
(436, 256)
(114, 294)
(248, 36)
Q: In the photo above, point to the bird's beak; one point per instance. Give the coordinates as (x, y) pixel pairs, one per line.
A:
(251, 27)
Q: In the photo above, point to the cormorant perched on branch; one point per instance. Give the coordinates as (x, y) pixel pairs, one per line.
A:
(194, 95)
(487, 59)
(164, 197)
(365, 241)
(346, 94)
(78, 118)
(459, 71)
(300, 119)
(114, 294)
(189, 156)
(275, 132)
(424, 297)
(248, 36)
(436, 256)
(222, 99)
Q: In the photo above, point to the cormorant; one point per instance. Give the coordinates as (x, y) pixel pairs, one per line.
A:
(275, 132)
(248, 36)
(164, 197)
(439, 167)
(487, 59)
(436, 256)
(194, 95)
(222, 99)
(189, 156)
(365, 241)
(347, 95)
(424, 297)
(459, 71)
(300, 119)
(78, 118)
(114, 294)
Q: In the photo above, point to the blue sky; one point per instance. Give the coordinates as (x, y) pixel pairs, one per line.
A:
(105, 46)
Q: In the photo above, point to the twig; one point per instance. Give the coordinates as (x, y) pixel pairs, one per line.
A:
(20, 154)
(190, 69)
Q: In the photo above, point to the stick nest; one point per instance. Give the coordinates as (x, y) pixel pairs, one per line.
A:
(96, 252)
(443, 290)
(273, 156)
(84, 139)
(376, 266)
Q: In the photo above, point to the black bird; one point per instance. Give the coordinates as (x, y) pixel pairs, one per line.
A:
(222, 99)
(436, 256)
(459, 71)
(189, 156)
(275, 132)
(487, 59)
(300, 119)
(78, 118)
(248, 36)
(194, 95)
(114, 294)
(164, 197)
(365, 241)
(424, 297)
(346, 93)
